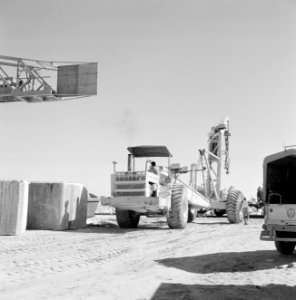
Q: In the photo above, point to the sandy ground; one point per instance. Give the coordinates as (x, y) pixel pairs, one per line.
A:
(210, 259)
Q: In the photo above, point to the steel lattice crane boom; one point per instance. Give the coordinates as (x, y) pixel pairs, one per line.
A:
(33, 80)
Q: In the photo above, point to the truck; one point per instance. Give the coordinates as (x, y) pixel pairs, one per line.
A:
(135, 193)
(279, 195)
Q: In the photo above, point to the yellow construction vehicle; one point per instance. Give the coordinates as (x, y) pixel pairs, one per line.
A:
(146, 192)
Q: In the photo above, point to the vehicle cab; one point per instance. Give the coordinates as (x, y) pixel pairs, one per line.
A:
(279, 194)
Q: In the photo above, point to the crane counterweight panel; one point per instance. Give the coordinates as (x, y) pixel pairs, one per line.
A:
(77, 80)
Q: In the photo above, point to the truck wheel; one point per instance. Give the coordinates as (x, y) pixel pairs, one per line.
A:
(127, 218)
(191, 213)
(285, 248)
(219, 212)
(234, 206)
(178, 214)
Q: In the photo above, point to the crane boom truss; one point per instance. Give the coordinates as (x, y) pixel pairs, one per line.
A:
(33, 80)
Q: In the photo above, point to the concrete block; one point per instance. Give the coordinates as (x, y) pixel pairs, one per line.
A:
(13, 207)
(57, 206)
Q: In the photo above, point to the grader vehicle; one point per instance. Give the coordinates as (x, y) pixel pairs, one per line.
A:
(279, 195)
(136, 193)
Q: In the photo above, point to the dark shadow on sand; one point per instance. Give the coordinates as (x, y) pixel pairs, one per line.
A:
(212, 223)
(109, 227)
(224, 292)
(230, 262)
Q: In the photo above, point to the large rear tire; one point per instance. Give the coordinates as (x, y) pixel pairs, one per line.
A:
(127, 218)
(285, 248)
(234, 206)
(191, 213)
(178, 214)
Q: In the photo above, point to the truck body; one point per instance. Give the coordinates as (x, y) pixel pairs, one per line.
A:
(279, 194)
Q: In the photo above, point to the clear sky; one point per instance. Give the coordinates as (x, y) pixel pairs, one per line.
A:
(168, 71)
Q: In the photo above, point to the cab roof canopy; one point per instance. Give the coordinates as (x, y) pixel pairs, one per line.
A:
(149, 151)
(281, 157)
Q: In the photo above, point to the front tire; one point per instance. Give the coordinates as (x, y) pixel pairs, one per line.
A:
(234, 206)
(127, 218)
(178, 214)
(285, 248)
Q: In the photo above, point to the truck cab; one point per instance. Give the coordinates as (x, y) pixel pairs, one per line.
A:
(279, 194)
